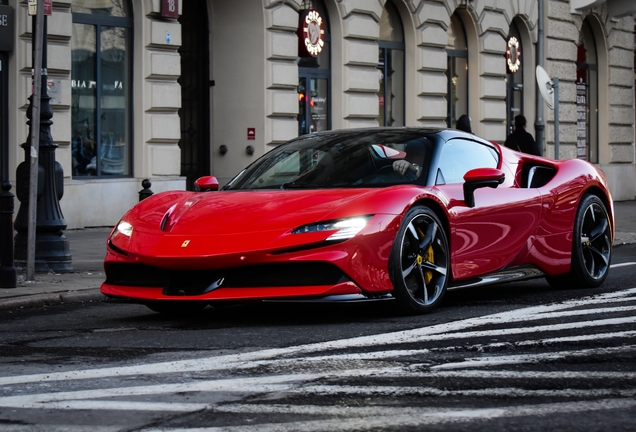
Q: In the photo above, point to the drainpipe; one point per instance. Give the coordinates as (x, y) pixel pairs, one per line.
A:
(538, 123)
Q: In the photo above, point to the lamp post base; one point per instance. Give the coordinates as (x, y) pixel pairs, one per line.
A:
(52, 252)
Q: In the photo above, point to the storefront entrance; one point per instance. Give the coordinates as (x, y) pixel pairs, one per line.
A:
(4, 118)
(195, 94)
(313, 102)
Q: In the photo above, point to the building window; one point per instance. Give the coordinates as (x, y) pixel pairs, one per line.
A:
(391, 68)
(587, 96)
(514, 77)
(314, 80)
(100, 87)
(456, 71)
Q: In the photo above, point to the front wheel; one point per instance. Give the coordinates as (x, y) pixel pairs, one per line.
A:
(591, 247)
(419, 262)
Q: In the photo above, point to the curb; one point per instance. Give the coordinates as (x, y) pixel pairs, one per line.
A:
(37, 300)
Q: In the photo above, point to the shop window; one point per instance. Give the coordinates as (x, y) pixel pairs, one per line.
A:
(587, 96)
(391, 68)
(456, 71)
(314, 75)
(514, 77)
(100, 87)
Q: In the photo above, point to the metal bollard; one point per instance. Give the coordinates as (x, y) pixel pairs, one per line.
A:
(8, 276)
(145, 192)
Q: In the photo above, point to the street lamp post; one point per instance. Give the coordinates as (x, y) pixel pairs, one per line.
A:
(52, 250)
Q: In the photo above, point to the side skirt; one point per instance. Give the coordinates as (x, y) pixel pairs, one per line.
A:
(507, 275)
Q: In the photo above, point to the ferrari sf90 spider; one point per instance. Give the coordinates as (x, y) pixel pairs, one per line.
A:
(366, 214)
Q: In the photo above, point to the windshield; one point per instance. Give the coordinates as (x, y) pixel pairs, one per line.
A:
(351, 159)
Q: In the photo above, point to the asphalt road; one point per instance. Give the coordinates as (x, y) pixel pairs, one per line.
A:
(520, 356)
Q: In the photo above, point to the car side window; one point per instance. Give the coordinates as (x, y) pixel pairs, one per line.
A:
(460, 156)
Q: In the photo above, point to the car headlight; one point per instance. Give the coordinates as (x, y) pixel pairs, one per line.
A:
(345, 228)
(124, 228)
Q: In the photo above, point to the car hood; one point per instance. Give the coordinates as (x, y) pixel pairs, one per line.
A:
(236, 212)
(217, 229)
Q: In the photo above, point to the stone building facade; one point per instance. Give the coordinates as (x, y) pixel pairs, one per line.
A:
(139, 91)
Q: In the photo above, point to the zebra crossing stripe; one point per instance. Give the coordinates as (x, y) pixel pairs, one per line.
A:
(443, 331)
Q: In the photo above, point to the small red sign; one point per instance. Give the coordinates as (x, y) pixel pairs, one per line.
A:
(170, 8)
(48, 7)
(251, 133)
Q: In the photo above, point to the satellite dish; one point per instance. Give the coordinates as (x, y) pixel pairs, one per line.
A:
(546, 86)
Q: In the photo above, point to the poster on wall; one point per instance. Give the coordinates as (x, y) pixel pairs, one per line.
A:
(581, 119)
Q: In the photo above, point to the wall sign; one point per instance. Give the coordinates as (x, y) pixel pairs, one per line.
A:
(7, 26)
(581, 119)
(251, 133)
(33, 7)
(513, 55)
(311, 33)
(170, 8)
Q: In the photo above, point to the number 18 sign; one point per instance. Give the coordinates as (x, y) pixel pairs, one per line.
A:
(170, 8)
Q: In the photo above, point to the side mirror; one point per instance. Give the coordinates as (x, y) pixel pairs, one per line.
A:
(206, 184)
(479, 178)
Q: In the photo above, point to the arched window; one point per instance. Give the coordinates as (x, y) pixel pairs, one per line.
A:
(391, 68)
(314, 79)
(456, 71)
(587, 95)
(514, 77)
(101, 88)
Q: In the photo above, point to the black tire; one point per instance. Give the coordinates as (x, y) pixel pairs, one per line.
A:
(419, 264)
(176, 308)
(591, 247)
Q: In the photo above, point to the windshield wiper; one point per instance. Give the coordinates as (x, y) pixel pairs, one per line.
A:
(297, 185)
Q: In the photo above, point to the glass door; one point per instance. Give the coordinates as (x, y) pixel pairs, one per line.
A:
(4, 120)
(313, 103)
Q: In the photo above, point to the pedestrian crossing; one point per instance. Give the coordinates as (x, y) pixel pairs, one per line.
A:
(569, 359)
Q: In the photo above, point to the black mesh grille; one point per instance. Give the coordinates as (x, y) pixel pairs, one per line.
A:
(195, 282)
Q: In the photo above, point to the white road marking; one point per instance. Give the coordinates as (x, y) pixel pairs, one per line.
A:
(225, 390)
(269, 383)
(488, 392)
(622, 264)
(530, 358)
(425, 334)
(58, 428)
(578, 338)
(366, 418)
(493, 374)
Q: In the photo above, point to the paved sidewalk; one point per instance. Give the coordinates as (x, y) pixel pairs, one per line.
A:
(88, 247)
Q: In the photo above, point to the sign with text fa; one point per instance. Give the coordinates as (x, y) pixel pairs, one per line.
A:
(170, 8)
(251, 133)
(7, 26)
(33, 7)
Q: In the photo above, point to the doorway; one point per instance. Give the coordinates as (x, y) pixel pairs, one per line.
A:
(195, 95)
(4, 117)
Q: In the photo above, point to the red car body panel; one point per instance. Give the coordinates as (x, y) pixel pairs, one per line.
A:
(509, 226)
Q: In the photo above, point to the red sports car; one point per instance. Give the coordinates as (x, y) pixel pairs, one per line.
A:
(366, 214)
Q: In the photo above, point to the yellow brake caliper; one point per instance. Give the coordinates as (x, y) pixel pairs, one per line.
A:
(429, 256)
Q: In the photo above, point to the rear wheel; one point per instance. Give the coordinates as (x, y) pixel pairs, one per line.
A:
(591, 247)
(419, 262)
(181, 308)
